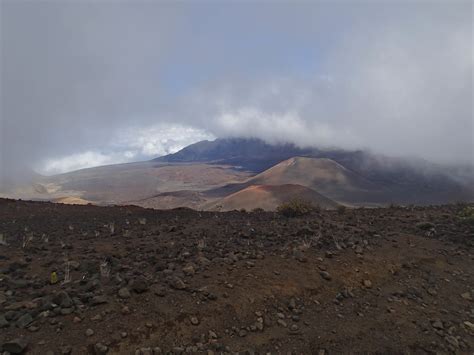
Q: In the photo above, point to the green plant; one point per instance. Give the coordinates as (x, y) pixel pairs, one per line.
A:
(425, 225)
(466, 215)
(295, 208)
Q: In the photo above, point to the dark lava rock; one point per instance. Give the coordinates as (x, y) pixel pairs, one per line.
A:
(16, 346)
(63, 300)
(101, 348)
(92, 285)
(98, 300)
(124, 293)
(24, 320)
(3, 322)
(177, 283)
(139, 285)
(325, 275)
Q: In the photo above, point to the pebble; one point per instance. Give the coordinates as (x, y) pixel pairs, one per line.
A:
(65, 350)
(368, 284)
(469, 325)
(3, 322)
(160, 291)
(101, 348)
(89, 332)
(452, 340)
(97, 300)
(242, 333)
(188, 270)
(178, 284)
(146, 351)
(139, 285)
(24, 320)
(124, 293)
(212, 334)
(329, 254)
(97, 318)
(194, 321)
(437, 324)
(292, 304)
(325, 275)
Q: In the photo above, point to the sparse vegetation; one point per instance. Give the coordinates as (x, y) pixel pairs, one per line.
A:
(258, 210)
(425, 225)
(105, 269)
(296, 207)
(341, 209)
(467, 215)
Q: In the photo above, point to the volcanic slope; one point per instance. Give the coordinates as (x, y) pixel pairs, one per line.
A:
(325, 176)
(269, 197)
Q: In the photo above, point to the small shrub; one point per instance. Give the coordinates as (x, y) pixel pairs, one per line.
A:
(466, 215)
(425, 226)
(295, 208)
(258, 210)
(341, 209)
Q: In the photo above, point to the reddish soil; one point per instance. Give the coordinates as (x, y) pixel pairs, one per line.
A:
(269, 197)
(353, 281)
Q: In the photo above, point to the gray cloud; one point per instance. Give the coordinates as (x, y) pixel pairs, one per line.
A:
(394, 77)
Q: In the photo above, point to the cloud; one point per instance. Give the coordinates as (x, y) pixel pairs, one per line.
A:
(161, 139)
(400, 84)
(393, 77)
(132, 144)
(81, 161)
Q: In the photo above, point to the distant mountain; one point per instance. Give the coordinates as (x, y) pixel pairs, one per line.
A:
(402, 180)
(222, 172)
(249, 154)
(325, 176)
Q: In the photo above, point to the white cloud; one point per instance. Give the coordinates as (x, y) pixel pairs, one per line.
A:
(160, 139)
(81, 161)
(129, 145)
(280, 127)
(392, 76)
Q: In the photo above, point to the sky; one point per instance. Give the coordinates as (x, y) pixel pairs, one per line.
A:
(87, 83)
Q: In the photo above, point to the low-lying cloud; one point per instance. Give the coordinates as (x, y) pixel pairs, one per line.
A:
(95, 83)
(129, 145)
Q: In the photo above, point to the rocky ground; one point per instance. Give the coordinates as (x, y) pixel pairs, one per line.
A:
(138, 281)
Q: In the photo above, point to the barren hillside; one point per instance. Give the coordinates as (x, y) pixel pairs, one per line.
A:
(269, 197)
(137, 281)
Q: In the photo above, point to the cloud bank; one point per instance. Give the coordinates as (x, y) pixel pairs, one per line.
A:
(393, 77)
